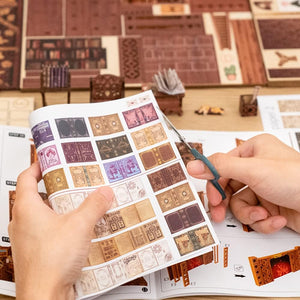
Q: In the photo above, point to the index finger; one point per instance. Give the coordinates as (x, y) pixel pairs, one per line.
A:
(27, 181)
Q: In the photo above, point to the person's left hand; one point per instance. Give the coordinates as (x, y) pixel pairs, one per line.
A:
(49, 250)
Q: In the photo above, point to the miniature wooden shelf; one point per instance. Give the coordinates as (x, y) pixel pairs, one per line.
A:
(169, 104)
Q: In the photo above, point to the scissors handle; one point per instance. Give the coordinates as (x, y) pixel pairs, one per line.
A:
(213, 170)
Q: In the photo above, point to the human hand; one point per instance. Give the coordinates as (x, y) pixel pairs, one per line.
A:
(261, 179)
(49, 250)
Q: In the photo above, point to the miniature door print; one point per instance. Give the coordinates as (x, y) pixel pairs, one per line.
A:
(113, 147)
(78, 152)
(106, 125)
(42, 133)
(71, 127)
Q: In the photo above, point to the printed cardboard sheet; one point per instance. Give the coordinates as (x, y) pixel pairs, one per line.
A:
(156, 218)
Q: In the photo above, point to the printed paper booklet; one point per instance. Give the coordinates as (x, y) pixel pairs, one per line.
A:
(156, 219)
(173, 249)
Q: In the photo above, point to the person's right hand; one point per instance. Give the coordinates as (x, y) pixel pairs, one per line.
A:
(261, 179)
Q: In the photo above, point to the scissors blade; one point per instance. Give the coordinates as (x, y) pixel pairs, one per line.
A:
(181, 138)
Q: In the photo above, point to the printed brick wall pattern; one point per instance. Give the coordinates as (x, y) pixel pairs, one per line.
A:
(192, 56)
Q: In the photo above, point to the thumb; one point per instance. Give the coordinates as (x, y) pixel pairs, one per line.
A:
(243, 169)
(96, 204)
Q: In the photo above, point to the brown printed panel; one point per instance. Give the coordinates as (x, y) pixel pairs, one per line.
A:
(184, 218)
(280, 33)
(92, 18)
(148, 136)
(44, 18)
(175, 197)
(106, 125)
(124, 218)
(6, 264)
(86, 176)
(219, 5)
(125, 242)
(114, 147)
(185, 153)
(78, 152)
(157, 156)
(55, 181)
(194, 240)
(166, 177)
(95, 255)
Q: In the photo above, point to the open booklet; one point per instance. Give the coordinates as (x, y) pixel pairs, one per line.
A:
(156, 219)
(224, 270)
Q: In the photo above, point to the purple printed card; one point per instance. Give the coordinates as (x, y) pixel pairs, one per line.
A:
(122, 169)
(129, 166)
(48, 157)
(42, 133)
(113, 172)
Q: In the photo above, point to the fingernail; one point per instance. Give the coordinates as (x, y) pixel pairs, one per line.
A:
(278, 223)
(107, 192)
(195, 167)
(255, 216)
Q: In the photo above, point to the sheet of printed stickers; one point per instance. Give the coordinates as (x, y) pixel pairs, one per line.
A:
(156, 219)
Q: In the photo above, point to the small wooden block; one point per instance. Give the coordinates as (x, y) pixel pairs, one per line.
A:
(246, 108)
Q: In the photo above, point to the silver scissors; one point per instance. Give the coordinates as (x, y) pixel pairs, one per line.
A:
(201, 157)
